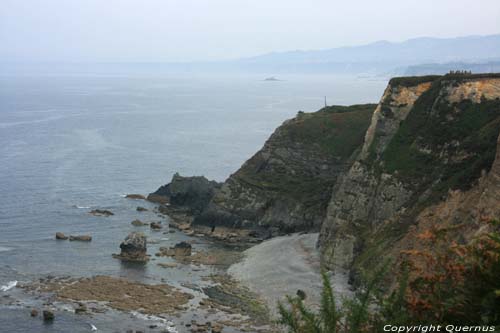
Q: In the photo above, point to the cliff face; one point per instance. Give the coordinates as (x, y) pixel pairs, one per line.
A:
(286, 186)
(462, 214)
(431, 142)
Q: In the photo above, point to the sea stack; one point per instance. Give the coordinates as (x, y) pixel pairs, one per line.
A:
(134, 248)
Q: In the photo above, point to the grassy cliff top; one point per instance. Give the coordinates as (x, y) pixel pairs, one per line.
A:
(337, 129)
(409, 81)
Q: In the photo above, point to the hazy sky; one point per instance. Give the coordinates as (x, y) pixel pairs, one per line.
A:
(185, 30)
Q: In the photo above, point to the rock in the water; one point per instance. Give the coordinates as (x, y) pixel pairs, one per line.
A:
(155, 225)
(101, 212)
(134, 247)
(81, 238)
(34, 313)
(141, 209)
(138, 223)
(182, 249)
(135, 196)
(48, 315)
(60, 235)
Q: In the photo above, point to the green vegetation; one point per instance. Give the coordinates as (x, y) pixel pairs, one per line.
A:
(333, 134)
(410, 81)
(448, 143)
(337, 130)
(449, 284)
(464, 76)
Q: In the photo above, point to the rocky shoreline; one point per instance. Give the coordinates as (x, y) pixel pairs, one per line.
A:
(217, 303)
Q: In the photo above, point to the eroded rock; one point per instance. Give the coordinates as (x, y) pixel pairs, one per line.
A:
(133, 248)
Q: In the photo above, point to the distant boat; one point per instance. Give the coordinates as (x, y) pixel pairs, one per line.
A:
(272, 78)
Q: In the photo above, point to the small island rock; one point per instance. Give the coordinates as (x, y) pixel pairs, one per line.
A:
(101, 212)
(81, 238)
(61, 236)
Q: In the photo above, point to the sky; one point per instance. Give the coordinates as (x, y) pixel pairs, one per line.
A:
(197, 30)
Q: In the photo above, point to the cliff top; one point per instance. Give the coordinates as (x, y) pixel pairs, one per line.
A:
(408, 81)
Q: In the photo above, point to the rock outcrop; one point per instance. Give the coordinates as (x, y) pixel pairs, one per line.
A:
(190, 193)
(431, 139)
(133, 248)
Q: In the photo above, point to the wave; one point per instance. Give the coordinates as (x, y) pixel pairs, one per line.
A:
(167, 324)
(4, 249)
(81, 207)
(8, 286)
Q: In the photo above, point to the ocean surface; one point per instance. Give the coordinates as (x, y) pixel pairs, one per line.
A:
(72, 143)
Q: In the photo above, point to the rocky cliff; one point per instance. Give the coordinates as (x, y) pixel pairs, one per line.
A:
(428, 151)
(286, 185)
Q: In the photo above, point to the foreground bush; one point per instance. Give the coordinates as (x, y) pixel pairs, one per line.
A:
(449, 284)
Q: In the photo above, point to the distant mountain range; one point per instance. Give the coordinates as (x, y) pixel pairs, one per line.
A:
(381, 57)
(412, 57)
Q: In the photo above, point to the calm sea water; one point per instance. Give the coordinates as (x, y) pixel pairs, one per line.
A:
(69, 144)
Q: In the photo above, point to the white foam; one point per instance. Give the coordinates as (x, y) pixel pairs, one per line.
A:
(167, 324)
(82, 207)
(8, 286)
(4, 249)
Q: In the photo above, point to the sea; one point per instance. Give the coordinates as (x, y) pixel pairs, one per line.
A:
(70, 143)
